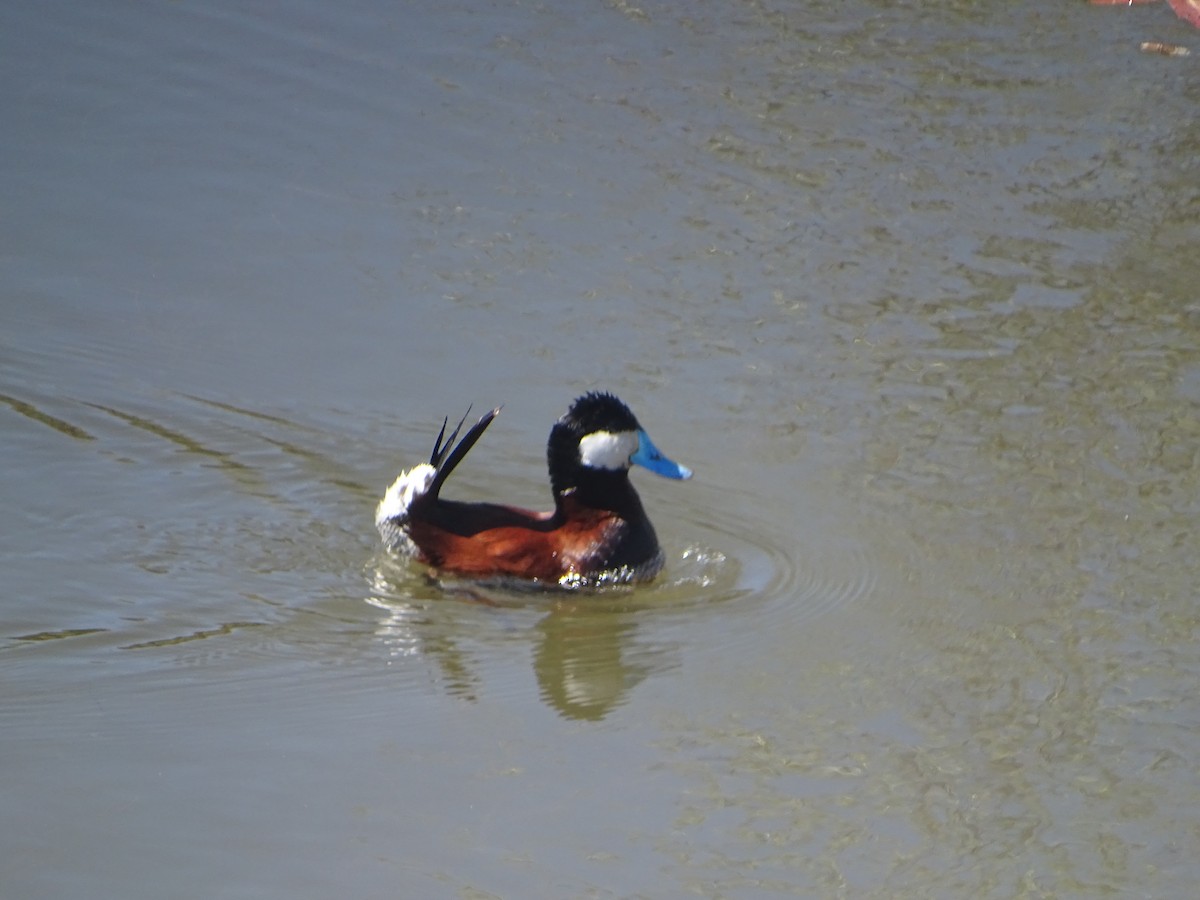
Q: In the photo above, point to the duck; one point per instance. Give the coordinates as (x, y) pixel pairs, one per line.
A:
(597, 534)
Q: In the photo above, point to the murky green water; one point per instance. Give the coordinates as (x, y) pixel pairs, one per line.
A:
(912, 287)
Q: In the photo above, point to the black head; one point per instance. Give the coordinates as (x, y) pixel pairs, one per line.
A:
(597, 440)
(599, 411)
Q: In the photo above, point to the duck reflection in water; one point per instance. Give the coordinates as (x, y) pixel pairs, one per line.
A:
(586, 660)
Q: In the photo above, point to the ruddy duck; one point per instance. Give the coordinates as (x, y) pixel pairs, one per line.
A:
(597, 532)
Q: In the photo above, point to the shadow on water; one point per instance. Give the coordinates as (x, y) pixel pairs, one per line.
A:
(193, 513)
(32, 412)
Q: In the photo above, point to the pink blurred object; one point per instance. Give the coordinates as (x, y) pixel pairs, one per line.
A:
(1188, 10)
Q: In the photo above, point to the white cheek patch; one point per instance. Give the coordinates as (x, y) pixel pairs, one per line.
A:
(607, 449)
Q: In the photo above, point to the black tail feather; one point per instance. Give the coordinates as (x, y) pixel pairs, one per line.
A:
(439, 449)
(445, 459)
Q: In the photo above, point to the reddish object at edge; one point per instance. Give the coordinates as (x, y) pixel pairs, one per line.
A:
(1188, 10)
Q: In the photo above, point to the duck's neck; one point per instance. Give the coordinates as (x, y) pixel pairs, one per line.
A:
(611, 491)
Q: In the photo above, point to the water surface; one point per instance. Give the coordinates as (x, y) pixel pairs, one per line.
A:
(912, 289)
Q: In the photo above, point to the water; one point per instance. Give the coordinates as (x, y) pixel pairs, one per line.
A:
(912, 289)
